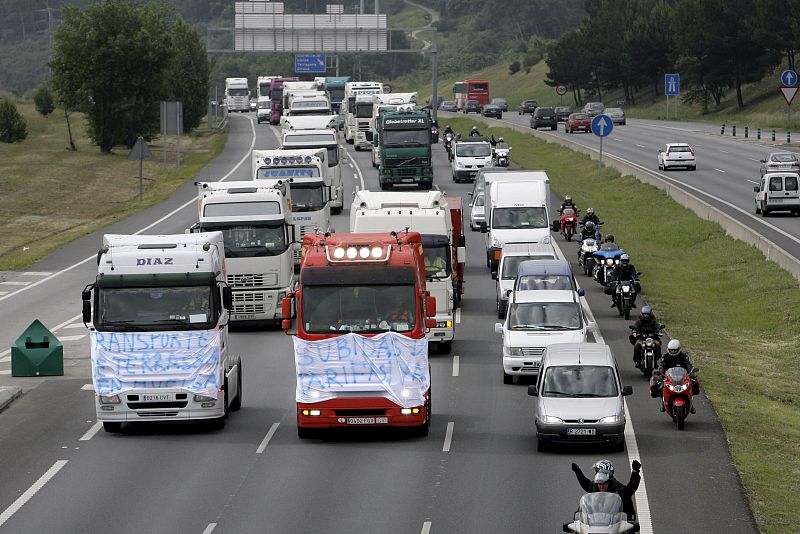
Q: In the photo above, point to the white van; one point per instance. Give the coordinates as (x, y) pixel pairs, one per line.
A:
(516, 211)
(778, 191)
(470, 155)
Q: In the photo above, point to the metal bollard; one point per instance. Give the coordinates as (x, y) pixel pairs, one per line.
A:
(759, 134)
(773, 136)
(722, 131)
(746, 128)
(734, 130)
(788, 137)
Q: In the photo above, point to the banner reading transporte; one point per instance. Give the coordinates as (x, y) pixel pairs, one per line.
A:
(123, 361)
(390, 363)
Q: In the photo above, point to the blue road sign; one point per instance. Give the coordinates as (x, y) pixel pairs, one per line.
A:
(789, 78)
(672, 84)
(602, 125)
(309, 63)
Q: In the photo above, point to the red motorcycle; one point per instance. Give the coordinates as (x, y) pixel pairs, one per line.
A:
(569, 223)
(679, 386)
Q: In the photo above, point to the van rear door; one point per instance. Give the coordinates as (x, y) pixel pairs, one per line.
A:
(782, 191)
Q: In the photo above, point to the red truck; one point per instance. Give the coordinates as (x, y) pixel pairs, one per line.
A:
(361, 352)
(276, 98)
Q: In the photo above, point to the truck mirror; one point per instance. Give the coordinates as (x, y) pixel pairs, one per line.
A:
(227, 297)
(87, 311)
(286, 308)
(533, 391)
(483, 227)
(461, 254)
(591, 326)
(756, 189)
(494, 275)
(430, 307)
(286, 324)
(627, 390)
(430, 322)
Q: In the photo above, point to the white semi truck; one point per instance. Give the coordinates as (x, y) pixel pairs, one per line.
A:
(429, 214)
(158, 315)
(327, 138)
(309, 187)
(303, 103)
(237, 94)
(256, 223)
(348, 109)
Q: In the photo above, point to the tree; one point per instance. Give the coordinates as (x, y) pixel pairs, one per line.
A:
(513, 68)
(109, 61)
(43, 99)
(189, 71)
(12, 124)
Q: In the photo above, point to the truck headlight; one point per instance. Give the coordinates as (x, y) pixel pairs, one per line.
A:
(109, 399)
(314, 413)
(444, 324)
(550, 419)
(612, 419)
(496, 243)
(513, 352)
(203, 398)
(409, 411)
(546, 240)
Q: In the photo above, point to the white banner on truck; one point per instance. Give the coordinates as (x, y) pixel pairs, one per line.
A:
(390, 364)
(123, 361)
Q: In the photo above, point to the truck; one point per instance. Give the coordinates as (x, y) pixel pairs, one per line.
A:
(327, 138)
(157, 315)
(361, 354)
(296, 86)
(517, 210)
(384, 103)
(471, 90)
(431, 216)
(308, 103)
(276, 98)
(348, 109)
(335, 86)
(256, 224)
(405, 147)
(309, 187)
(237, 94)
(264, 86)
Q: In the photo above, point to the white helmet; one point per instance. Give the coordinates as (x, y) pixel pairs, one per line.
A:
(674, 347)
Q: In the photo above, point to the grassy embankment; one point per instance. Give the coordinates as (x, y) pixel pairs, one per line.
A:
(52, 196)
(734, 311)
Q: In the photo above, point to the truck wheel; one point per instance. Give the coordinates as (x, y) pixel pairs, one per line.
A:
(305, 433)
(236, 404)
(112, 427)
(507, 379)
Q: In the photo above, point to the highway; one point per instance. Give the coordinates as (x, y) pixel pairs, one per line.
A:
(478, 471)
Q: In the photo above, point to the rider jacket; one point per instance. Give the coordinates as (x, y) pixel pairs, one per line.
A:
(474, 133)
(593, 218)
(647, 326)
(615, 486)
(561, 209)
(622, 272)
(669, 361)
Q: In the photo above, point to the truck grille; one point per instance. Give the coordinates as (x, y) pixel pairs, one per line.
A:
(248, 308)
(252, 280)
(363, 126)
(155, 405)
(528, 352)
(157, 414)
(407, 171)
(397, 162)
(357, 412)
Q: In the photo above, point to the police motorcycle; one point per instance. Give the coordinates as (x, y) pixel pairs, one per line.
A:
(601, 513)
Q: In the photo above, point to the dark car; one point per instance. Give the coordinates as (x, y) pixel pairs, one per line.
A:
(502, 103)
(563, 113)
(527, 106)
(593, 108)
(472, 106)
(493, 110)
(578, 121)
(544, 116)
(448, 105)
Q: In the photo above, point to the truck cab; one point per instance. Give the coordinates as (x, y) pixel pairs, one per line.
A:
(405, 148)
(237, 94)
(328, 139)
(348, 106)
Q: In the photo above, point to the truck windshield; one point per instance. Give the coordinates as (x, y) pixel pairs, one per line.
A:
(519, 218)
(276, 94)
(437, 262)
(473, 150)
(395, 138)
(364, 110)
(544, 316)
(131, 309)
(307, 197)
(337, 95)
(251, 240)
(361, 308)
(238, 92)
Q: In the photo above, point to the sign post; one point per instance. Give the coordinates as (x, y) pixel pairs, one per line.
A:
(788, 88)
(602, 125)
(141, 152)
(561, 91)
(672, 87)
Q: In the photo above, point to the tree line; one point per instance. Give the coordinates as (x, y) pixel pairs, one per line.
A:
(716, 45)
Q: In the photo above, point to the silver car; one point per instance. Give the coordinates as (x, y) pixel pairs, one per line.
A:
(617, 115)
(579, 397)
(477, 213)
(780, 161)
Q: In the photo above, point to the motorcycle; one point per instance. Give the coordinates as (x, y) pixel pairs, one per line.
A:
(676, 388)
(650, 353)
(434, 133)
(586, 255)
(569, 223)
(605, 261)
(601, 513)
(624, 293)
(448, 145)
(501, 156)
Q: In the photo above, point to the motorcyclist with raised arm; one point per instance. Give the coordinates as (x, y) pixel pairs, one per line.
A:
(625, 270)
(645, 325)
(603, 480)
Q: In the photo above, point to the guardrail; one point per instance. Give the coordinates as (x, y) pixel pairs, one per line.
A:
(700, 207)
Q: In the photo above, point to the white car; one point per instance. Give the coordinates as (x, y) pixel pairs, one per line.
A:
(535, 320)
(512, 255)
(677, 155)
(477, 212)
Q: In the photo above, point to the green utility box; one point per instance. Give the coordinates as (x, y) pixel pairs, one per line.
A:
(37, 352)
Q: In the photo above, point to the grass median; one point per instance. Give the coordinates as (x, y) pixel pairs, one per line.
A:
(53, 196)
(734, 310)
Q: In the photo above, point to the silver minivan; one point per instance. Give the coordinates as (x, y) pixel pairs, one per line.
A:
(579, 396)
(778, 191)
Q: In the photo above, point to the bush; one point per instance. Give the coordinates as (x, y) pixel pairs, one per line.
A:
(43, 99)
(12, 125)
(514, 68)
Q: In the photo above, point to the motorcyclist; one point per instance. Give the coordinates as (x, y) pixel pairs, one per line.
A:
(609, 243)
(604, 480)
(568, 203)
(448, 130)
(501, 143)
(590, 216)
(675, 357)
(625, 270)
(646, 324)
(588, 231)
(474, 132)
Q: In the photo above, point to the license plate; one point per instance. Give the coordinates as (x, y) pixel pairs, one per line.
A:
(438, 334)
(157, 398)
(243, 316)
(581, 431)
(407, 180)
(776, 200)
(367, 420)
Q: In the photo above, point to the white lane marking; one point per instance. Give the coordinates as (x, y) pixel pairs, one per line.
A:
(616, 139)
(75, 325)
(448, 437)
(640, 146)
(192, 202)
(71, 338)
(719, 170)
(358, 170)
(724, 151)
(88, 387)
(3, 293)
(68, 321)
(455, 365)
(426, 527)
(755, 159)
(268, 437)
(15, 283)
(458, 315)
(642, 504)
(752, 181)
(36, 273)
(30, 492)
(210, 528)
(6, 372)
(91, 432)
(436, 186)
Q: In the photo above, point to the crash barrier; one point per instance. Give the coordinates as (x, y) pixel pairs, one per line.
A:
(732, 226)
(758, 135)
(37, 352)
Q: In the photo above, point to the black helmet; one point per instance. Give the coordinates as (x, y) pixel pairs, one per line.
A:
(609, 238)
(589, 226)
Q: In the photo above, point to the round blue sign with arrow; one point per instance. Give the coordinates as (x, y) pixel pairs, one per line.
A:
(789, 78)
(602, 125)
